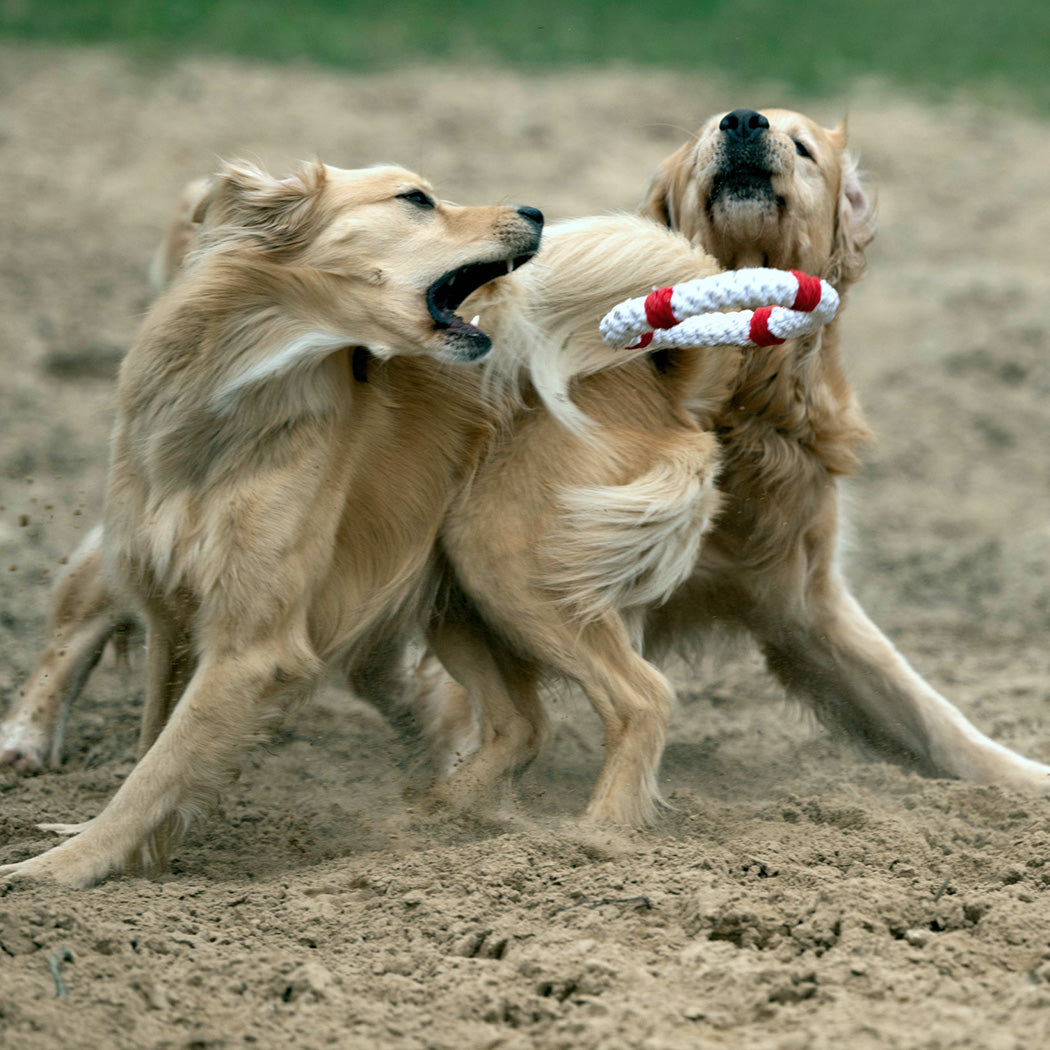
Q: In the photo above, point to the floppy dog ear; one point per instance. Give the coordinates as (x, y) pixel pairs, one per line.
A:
(657, 202)
(242, 195)
(854, 220)
(664, 201)
(185, 223)
(207, 194)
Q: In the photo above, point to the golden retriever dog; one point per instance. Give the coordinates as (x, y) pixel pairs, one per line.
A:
(290, 428)
(555, 560)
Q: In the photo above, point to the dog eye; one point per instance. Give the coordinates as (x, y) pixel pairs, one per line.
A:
(800, 149)
(418, 198)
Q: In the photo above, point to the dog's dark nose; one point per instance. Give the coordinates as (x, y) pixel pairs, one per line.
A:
(743, 125)
(533, 214)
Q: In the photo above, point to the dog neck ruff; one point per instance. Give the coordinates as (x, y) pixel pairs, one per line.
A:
(769, 307)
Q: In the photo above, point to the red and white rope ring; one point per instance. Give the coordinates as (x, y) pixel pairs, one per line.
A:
(789, 304)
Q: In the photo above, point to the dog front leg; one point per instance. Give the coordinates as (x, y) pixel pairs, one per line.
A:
(232, 700)
(837, 659)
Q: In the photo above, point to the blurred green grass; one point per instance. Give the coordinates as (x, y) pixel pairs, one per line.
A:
(997, 49)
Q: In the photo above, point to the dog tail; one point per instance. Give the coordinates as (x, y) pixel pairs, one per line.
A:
(630, 546)
(548, 328)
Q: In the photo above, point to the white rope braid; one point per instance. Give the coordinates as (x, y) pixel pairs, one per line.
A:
(789, 304)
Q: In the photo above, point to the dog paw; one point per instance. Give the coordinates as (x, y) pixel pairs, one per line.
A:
(23, 747)
(14, 872)
(495, 816)
(68, 865)
(461, 793)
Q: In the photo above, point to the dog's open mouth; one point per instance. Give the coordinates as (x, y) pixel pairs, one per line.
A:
(447, 293)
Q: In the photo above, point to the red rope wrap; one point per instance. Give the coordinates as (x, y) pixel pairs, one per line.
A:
(658, 309)
(808, 296)
(759, 332)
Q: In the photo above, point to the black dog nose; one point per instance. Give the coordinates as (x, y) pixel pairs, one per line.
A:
(531, 213)
(743, 125)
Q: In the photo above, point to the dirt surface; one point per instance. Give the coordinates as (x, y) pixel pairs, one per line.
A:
(797, 896)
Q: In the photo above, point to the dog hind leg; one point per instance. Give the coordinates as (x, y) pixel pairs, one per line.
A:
(512, 723)
(85, 615)
(634, 701)
(171, 663)
(429, 711)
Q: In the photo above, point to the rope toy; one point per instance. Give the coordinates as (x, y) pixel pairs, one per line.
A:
(790, 303)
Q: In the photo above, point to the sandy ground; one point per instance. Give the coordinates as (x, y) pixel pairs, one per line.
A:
(797, 895)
